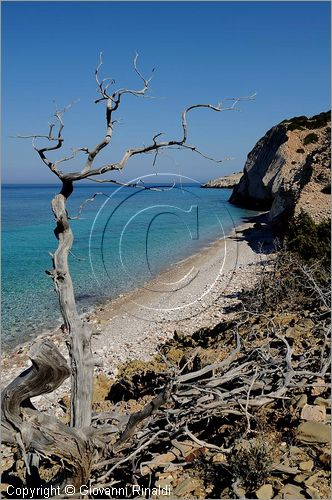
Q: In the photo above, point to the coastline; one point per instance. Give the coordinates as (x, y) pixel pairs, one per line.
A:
(196, 292)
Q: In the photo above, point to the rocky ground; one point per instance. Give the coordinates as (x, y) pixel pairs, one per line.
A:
(250, 417)
(242, 381)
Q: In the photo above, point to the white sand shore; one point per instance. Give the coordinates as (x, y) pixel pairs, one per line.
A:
(192, 294)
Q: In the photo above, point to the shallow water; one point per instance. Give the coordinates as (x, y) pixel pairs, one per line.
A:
(123, 238)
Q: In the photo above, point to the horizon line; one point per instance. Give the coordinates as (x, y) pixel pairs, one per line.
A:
(90, 184)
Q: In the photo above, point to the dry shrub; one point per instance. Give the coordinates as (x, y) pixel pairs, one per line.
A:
(287, 281)
(251, 462)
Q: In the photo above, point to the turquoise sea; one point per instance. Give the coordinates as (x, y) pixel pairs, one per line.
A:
(123, 238)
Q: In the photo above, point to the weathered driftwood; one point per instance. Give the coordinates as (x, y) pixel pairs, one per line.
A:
(143, 414)
(258, 376)
(78, 331)
(35, 432)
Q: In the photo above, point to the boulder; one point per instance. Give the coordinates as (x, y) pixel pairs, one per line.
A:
(292, 491)
(265, 492)
(313, 432)
(307, 465)
(322, 402)
(314, 413)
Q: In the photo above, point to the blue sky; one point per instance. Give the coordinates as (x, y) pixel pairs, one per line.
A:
(202, 51)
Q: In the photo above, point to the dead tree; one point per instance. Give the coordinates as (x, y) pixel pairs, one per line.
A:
(38, 434)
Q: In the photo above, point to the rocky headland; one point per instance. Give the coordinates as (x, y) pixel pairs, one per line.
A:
(226, 182)
(288, 170)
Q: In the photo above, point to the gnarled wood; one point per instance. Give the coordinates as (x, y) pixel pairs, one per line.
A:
(146, 412)
(36, 432)
(78, 331)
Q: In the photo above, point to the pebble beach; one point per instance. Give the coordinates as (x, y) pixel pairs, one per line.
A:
(197, 292)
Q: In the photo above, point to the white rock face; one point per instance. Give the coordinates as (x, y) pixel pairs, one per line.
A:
(261, 170)
(291, 161)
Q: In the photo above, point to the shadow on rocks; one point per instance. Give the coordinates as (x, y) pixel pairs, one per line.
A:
(260, 237)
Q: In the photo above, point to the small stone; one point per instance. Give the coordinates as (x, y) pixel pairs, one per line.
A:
(314, 413)
(295, 450)
(184, 447)
(186, 486)
(36, 399)
(322, 402)
(312, 479)
(265, 492)
(292, 491)
(241, 492)
(300, 478)
(313, 492)
(218, 458)
(320, 388)
(286, 469)
(301, 401)
(307, 465)
(163, 459)
(4, 487)
(313, 432)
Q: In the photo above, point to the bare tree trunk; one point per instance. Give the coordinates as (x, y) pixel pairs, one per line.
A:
(78, 331)
(37, 434)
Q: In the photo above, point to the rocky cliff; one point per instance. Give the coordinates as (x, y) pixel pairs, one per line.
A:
(228, 181)
(289, 170)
